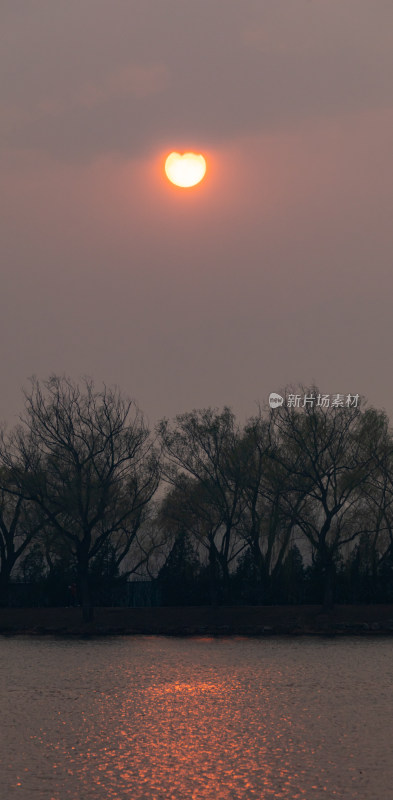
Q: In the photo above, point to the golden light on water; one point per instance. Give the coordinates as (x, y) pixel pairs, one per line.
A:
(185, 169)
(205, 719)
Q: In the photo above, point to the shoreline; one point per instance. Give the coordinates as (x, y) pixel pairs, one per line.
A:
(351, 620)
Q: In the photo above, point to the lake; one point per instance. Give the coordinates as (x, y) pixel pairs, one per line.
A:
(160, 718)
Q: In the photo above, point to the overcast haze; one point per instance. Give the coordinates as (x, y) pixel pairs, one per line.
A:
(276, 269)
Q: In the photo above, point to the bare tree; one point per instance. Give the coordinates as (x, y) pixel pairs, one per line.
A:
(20, 522)
(322, 454)
(86, 459)
(188, 509)
(202, 464)
(377, 490)
(265, 523)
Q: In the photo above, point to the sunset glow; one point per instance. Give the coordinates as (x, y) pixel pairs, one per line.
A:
(196, 444)
(185, 169)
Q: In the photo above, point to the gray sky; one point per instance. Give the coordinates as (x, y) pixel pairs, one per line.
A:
(275, 270)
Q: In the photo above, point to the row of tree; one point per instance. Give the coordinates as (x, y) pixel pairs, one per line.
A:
(81, 476)
(185, 580)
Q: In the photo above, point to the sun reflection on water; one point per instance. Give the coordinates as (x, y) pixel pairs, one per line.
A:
(197, 738)
(170, 720)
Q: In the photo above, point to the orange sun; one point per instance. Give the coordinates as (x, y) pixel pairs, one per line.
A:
(185, 169)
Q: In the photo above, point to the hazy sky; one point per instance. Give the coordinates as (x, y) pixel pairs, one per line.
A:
(277, 269)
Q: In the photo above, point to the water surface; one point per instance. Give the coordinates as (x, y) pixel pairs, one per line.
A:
(159, 718)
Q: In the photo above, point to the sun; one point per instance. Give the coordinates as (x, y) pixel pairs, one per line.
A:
(185, 169)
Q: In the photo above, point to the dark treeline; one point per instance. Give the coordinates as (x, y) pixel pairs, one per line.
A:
(295, 506)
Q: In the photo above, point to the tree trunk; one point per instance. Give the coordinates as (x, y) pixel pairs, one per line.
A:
(4, 588)
(328, 587)
(264, 580)
(84, 594)
(214, 577)
(226, 583)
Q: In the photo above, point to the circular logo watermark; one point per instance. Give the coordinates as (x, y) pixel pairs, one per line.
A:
(275, 400)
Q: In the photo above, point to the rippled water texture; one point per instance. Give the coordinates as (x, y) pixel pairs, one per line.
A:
(174, 719)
